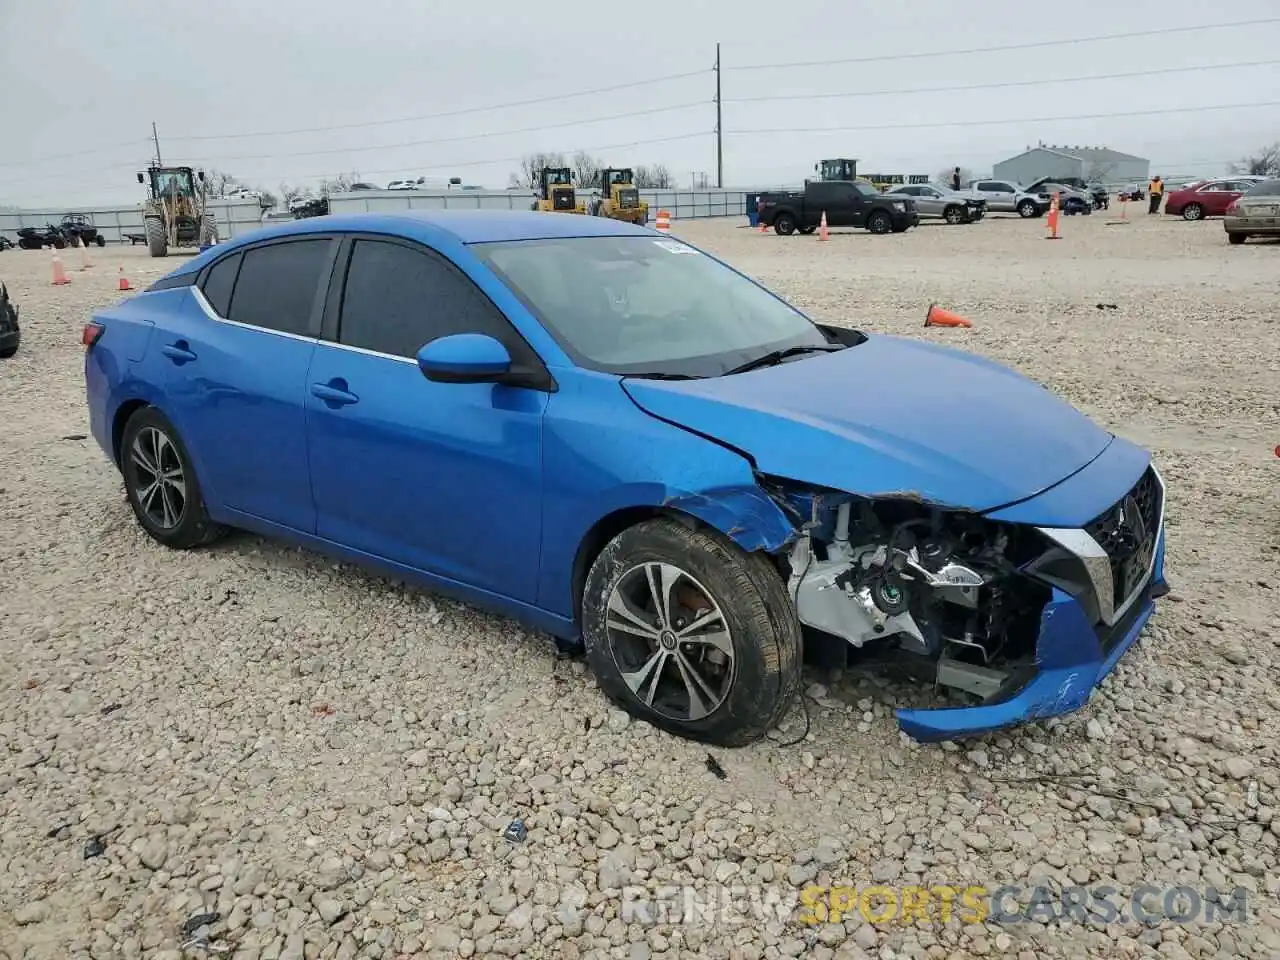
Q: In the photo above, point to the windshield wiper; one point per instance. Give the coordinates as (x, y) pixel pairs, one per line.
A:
(777, 356)
(658, 375)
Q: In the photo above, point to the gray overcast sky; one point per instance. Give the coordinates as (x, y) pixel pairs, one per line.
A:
(91, 76)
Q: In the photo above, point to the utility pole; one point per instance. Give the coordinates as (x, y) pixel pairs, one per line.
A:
(156, 137)
(719, 128)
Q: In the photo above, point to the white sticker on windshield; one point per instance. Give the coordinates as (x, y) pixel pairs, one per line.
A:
(674, 247)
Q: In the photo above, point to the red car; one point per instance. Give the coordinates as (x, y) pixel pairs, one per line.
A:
(1208, 198)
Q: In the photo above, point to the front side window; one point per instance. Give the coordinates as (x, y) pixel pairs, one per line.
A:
(632, 305)
(398, 298)
(278, 285)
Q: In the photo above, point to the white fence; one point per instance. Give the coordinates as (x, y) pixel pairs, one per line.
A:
(235, 217)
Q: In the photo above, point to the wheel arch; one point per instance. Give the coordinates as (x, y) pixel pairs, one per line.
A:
(123, 413)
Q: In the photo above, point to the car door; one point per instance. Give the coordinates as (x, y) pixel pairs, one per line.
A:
(1228, 192)
(442, 477)
(929, 202)
(236, 380)
(1000, 195)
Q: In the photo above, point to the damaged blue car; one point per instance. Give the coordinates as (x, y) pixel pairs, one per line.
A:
(618, 439)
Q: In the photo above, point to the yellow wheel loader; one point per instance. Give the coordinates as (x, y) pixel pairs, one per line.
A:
(556, 193)
(174, 213)
(619, 197)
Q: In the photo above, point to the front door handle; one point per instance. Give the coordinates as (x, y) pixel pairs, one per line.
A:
(178, 352)
(334, 393)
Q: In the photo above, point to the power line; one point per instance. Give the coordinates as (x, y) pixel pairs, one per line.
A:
(396, 146)
(1041, 120)
(952, 88)
(535, 101)
(68, 156)
(1034, 45)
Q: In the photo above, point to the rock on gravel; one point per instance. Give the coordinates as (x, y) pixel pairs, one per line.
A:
(326, 760)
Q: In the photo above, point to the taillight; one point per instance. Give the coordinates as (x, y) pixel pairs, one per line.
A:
(92, 333)
(1235, 207)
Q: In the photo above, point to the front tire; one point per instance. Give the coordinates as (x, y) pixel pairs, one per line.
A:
(157, 241)
(715, 657)
(100, 240)
(784, 224)
(879, 223)
(953, 215)
(161, 483)
(1028, 209)
(1193, 211)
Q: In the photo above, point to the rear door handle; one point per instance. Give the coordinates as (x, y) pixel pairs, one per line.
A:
(334, 393)
(178, 352)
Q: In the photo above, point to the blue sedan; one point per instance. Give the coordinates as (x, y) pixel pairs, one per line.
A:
(616, 438)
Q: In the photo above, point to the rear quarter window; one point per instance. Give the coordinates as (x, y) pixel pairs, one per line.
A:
(220, 282)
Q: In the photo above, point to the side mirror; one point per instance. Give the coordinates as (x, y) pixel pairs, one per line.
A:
(141, 179)
(464, 358)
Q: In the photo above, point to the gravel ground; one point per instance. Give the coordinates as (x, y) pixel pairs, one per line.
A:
(327, 760)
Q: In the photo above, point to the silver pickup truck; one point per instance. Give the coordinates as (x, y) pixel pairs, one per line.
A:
(1005, 197)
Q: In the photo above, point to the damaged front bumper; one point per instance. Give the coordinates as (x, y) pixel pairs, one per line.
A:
(1073, 656)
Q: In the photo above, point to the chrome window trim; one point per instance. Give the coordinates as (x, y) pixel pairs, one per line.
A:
(212, 314)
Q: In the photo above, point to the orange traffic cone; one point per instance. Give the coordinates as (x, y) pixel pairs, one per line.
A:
(123, 282)
(764, 227)
(1053, 218)
(59, 272)
(937, 317)
(822, 227)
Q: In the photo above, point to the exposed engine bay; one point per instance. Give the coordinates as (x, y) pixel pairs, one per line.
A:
(943, 585)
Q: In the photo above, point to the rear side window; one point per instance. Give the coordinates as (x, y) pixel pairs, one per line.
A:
(220, 282)
(1267, 188)
(397, 298)
(278, 284)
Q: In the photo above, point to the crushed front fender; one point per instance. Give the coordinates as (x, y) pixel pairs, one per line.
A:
(1072, 658)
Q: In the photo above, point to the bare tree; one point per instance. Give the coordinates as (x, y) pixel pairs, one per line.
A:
(1265, 163)
(586, 169)
(339, 184)
(218, 183)
(653, 177)
(531, 168)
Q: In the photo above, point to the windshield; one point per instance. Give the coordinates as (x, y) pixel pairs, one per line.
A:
(1267, 188)
(640, 305)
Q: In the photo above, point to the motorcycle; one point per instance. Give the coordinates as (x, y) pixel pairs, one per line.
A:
(33, 238)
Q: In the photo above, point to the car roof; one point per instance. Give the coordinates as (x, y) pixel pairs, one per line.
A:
(464, 226)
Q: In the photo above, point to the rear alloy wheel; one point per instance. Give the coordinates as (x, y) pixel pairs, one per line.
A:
(1237, 237)
(1193, 211)
(161, 484)
(879, 222)
(686, 631)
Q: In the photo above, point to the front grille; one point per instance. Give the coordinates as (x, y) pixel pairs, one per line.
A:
(1127, 531)
(562, 200)
(629, 199)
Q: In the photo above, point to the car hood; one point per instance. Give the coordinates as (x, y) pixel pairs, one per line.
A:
(888, 417)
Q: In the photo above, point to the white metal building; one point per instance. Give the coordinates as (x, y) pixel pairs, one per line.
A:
(1091, 163)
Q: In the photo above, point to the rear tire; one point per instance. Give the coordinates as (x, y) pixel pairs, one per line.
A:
(1193, 211)
(1237, 238)
(161, 483)
(879, 223)
(745, 678)
(157, 242)
(100, 240)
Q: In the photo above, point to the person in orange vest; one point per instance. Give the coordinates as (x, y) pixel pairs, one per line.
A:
(1156, 189)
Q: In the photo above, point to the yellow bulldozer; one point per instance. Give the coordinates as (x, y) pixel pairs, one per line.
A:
(556, 193)
(619, 197)
(175, 213)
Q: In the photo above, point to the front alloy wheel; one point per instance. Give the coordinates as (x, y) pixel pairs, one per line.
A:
(685, 630)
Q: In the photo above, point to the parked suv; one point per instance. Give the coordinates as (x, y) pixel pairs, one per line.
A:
(1005, 197)
(1096, 194)
(935, 200)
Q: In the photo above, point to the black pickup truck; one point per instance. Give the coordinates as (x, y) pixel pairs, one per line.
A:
(847, 203)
